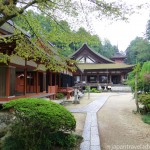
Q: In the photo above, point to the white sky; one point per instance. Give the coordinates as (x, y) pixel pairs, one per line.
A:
(122, 33)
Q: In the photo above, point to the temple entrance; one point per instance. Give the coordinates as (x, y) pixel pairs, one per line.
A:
(103, 79)
(92, 79)
(116, 79)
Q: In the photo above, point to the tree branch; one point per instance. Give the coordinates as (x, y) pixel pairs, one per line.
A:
(14, 13)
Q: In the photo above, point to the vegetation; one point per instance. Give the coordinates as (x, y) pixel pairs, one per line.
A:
(146, 118)
(138, 50)
(91, 90)
(60, 95)
(39, 124)
(94, 90)
(12, 8)
(143, 72)
(39, 40)
(144, 99)
(66, 41)
(140, 82)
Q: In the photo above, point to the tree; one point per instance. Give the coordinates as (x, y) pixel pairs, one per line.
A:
(60, 33)
(54, 9)
(138, 51)
(108, 50)
(145, 76)
(39, 124)
(148, 30)
(12, 8)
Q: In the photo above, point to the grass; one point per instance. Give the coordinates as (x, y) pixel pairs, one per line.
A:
(146, 118)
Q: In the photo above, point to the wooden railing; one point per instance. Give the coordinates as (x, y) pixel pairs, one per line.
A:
(66, 90)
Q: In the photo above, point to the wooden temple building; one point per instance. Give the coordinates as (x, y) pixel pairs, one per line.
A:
(95, 69)
(25, 78)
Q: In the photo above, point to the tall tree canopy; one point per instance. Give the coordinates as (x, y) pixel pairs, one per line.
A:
(11, 8)
(148, 30)
(54, 9)
(138, 51)
(108, 49)
(60, 34)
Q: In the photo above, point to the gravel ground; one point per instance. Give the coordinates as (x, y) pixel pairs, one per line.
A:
(80, 120)
(120, 128)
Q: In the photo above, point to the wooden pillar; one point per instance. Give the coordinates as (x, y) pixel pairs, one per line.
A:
(110, 78)
(44, 81)
(55, 79)
(122, 78)
(7, 82)
(37, 82)
(25, 81)
(50, 78)
(81, 78)
(59, 80)
(85, 78)
(97, 77)
(25, 78)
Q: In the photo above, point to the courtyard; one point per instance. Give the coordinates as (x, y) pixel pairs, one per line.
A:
(118, 127)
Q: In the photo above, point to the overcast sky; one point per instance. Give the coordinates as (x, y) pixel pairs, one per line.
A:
(121, 33)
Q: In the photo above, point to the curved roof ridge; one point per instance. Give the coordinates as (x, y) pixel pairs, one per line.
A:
(99, 54)
(76, 50)
(85, 44)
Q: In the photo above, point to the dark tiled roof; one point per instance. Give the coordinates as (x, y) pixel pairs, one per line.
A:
(99, 55)
(10, 27)
(20, 61)
(118, 55)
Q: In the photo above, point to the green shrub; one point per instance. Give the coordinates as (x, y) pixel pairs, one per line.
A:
(146, 118)
(36, 122)
(94, 90)
(60, 95)
(144, 99)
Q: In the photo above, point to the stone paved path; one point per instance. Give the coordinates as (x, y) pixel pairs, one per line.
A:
(91, 139)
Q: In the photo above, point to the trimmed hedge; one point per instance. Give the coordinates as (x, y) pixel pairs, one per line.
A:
(36, 120)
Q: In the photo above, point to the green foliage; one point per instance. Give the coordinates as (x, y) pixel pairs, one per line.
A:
(108, 50)
(60, 95)
(56, 140)
(61, 35)
(94, 90)
(4, 58)
(138, 51)
(148, 30)
(36, 122)
(131, 78)
(144, 99)
(12, 8)
(145, 71)
(146, 118)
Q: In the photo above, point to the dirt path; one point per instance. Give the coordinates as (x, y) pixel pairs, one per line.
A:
(120, 128)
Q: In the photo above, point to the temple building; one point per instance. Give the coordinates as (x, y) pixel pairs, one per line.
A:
(96, 69)
(21, 78)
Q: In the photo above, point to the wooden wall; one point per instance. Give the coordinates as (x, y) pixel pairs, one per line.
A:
(3, 71)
